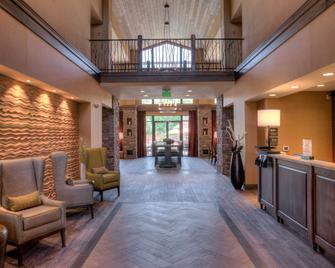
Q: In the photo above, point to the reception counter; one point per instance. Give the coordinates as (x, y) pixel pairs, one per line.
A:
(301, 195)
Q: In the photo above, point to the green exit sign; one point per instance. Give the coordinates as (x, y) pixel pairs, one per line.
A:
(166, 93)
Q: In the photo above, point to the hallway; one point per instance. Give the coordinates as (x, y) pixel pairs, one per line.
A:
(192, 217)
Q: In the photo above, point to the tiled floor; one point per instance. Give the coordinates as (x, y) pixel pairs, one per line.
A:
(190, 217)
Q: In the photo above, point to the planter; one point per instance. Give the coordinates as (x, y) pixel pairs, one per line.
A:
(237, 175)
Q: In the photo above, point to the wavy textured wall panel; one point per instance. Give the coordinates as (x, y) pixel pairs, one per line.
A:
(34, 122)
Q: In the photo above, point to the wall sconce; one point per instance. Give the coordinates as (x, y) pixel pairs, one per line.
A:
(270, 119)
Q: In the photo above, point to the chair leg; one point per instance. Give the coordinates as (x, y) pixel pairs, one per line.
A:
(19, 256)
(92, 212)
(101, 196)
(118, 191)
(62, 235)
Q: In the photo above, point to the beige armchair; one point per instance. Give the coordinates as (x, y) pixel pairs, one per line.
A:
(19, 178)
(75, 196)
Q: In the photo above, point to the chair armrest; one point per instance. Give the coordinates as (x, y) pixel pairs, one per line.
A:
(96, 179)
(55, 203)
(52, 203)
(13, 222)
(80, 194)
(113, 172)
(80, 182)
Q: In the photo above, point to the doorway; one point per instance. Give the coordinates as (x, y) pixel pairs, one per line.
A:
(160, 127)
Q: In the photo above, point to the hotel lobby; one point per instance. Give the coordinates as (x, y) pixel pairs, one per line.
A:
(173, 133)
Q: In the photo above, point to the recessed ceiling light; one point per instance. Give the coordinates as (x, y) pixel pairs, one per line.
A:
(146, 95)
(328, 74)
(187, 95)
(321, 85)
(272, 95)
(142, 91)
(190, 91)
(72, 98)
(54, 91)
(28, 81)
(294, 87)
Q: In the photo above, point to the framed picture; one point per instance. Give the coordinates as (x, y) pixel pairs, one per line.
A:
(129, 132)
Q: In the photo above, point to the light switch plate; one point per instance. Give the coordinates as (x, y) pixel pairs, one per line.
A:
(286, 148)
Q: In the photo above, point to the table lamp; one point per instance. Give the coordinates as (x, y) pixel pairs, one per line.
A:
(269, 118)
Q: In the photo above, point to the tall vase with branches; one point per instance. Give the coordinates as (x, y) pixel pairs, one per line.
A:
(237, 175)
(82, 158)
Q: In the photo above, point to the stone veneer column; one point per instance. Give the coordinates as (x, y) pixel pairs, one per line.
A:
(224, 143)
(116, 130)
(130, 132)
(110, 134)
(204, 130)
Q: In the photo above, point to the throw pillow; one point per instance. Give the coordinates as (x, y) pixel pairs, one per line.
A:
(17, 203)
(100, 170)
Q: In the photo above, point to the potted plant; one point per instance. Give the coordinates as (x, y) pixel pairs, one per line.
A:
(237, 175)
(82, 158)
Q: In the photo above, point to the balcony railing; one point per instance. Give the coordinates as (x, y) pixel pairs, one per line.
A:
(166, 55)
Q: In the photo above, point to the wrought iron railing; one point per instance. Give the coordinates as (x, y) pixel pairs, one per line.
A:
(166, 55)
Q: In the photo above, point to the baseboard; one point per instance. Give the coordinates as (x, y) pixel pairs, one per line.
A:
(250, 186)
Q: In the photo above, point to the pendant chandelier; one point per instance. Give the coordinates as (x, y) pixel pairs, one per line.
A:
(166, 20)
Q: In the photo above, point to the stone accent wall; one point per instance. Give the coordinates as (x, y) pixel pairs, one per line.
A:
(110, 134)
(204, 130)
(224, 143)
(130, 132)
(34, 122)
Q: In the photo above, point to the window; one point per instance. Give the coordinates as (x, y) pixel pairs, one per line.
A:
(167, 118)
(166, 55)
(167, 101)
(146, 101)
(187, 101)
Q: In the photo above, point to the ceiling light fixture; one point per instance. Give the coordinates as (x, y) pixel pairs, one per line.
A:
(72, 98)
(187, 95)
(328, 74)
(28, 81)
(142, 91)
(272, 95)
(294, 87)
(190, 91)
(146, 95)
(321, 85)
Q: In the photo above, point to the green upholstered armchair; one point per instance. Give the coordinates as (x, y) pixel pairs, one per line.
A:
(95, 159)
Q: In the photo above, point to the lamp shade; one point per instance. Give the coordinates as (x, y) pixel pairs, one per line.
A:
(268, 118)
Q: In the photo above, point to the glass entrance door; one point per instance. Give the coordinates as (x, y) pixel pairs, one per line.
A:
(161, 131)
(160, 127)
(174, 132)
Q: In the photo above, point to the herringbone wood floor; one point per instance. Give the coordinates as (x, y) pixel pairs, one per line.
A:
(168, 235)
(174, 218)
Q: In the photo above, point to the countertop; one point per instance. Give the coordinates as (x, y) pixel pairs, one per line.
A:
(297, 159)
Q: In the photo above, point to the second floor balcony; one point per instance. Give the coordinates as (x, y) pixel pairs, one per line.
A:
(136, 59)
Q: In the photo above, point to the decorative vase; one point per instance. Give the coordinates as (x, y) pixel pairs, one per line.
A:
(82, 171)
(237, 175)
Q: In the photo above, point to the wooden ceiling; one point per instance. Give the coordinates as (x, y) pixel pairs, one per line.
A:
(146, 17)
